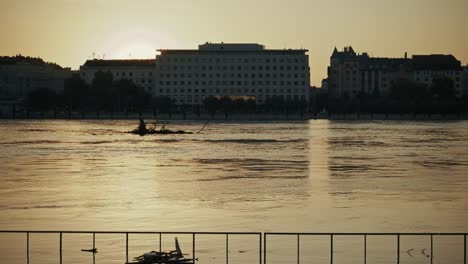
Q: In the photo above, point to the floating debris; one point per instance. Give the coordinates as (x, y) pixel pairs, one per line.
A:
(155, 257)
(162, 131)
(93, 250)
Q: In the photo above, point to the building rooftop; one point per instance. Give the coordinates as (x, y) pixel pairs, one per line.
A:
(222, 48)
(19, 59)
(436, 62)
(347, 52)
(120, 63)
(231, 47)
(365, 60)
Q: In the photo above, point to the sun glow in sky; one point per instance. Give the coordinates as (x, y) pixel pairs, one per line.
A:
(132, 43)
(70, 31)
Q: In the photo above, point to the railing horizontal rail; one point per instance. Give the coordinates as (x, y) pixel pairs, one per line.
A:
(361, 234)
(125, 232)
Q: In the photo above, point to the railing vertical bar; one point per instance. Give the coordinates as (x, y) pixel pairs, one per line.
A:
(398, 249)
(227, 248)
(260, 248)
(264, 248)
(298, 248)
(126, 247)
(331, 248)
(60, 247)
(160, 242)
(432, 248)
(27, 247)
(94, 248)
(365, 249)
(464, 248)
(193, 247)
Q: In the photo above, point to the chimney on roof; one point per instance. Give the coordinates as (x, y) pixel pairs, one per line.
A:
(406, 55)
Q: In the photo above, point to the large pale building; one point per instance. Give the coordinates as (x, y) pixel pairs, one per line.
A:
(141, 72)
(233, 70)
(20, 75)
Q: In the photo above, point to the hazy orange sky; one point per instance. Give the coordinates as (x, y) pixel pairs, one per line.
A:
(70, 31)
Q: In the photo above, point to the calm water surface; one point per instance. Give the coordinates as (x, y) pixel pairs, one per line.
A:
(312, 176)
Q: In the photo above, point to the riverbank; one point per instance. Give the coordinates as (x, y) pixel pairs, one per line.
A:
(233, 117)
(178, 116)
(405, 116)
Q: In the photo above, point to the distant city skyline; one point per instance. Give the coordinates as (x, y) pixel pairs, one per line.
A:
(69, 32)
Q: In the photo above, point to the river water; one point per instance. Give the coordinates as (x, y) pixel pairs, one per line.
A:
(310, 176)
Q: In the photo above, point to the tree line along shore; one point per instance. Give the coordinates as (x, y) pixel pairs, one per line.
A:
(106, 98)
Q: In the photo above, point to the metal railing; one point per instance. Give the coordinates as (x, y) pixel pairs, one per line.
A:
(126, 233)
(364, 236)
(263, 238)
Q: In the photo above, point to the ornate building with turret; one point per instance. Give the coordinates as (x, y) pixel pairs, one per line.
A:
(351, 75)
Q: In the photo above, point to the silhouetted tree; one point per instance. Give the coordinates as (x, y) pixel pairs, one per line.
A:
(183, 109)
(239, 105)
(301, 106)
(130, 96)
(408, 90)
(251, 105)
(226, 104)
(163, 104)
(42, 99)
(211, 105)
(76, 93)
(101, 94)
(275, 104)
(442, 88)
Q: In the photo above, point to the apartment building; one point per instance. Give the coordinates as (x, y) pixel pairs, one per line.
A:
(20, 75)
(141, 71)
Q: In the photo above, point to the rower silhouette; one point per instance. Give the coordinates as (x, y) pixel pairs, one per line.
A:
(142, 127)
